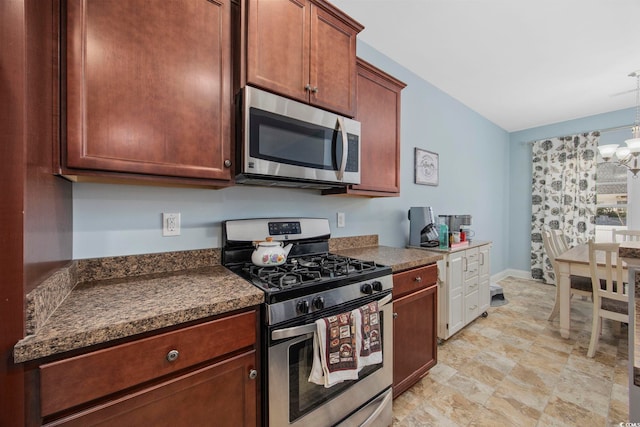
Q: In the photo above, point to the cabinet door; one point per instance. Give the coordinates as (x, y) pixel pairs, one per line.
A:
(456, 294)
(148, 87)
(332, 64)
(223, 394)
(414, 337)
(378, 110)
(484, 293)
(278, 46)
(484, 260)
(485, 278)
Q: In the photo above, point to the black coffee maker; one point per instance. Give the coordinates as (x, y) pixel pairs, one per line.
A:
(423, 230)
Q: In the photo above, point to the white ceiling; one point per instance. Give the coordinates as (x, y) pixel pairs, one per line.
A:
(520, 64)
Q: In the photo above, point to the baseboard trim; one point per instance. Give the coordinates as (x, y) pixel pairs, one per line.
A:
(521, 274)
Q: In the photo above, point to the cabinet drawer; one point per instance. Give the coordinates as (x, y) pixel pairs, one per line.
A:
(472, 307)
(471, 263)
(413, 280)
(471, 255)
(471, 270)
(471, 285)
(80, 379)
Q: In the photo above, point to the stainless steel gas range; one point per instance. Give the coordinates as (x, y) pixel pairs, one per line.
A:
(312, 284)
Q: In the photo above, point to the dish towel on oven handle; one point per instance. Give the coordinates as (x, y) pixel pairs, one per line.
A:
(344, 344)
(369, 344)
(335, 350)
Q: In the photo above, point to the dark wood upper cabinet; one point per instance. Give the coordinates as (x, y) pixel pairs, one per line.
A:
(148, 88)
(378, 111)
(302, 49)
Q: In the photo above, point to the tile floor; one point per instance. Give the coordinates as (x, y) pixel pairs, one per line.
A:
(513, 369)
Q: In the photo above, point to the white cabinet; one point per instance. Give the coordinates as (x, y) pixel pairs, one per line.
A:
(484, 277)
(464, 287)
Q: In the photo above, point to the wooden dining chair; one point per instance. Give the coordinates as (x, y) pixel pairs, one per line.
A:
(579, 285)
(625, 235)
(610, 297)
(560, 241)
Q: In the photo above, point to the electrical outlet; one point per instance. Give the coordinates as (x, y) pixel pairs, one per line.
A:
(170, 224)
(341, 220)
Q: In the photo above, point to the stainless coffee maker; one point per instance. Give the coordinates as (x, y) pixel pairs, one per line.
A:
(423, 230)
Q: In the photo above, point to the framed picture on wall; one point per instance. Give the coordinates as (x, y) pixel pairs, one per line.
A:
(426, 167)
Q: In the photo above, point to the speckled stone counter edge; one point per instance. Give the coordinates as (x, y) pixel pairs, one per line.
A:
(341, 243)
(90, 270)
(44, 299)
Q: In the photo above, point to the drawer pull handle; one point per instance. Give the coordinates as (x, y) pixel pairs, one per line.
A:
(395, 315)
(253, 374)
(418, 279)
(172, 356)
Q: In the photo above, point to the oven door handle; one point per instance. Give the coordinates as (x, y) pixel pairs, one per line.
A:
(281, 334)
(295, 331)
(381, 406)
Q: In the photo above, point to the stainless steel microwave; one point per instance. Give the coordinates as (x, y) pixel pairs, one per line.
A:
(287, 143)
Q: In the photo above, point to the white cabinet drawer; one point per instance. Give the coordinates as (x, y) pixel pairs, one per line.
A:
(471, 285)
(471, 255)
(471, 264)
(472, 306)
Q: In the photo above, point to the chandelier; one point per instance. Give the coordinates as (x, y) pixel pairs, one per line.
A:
(627, 156)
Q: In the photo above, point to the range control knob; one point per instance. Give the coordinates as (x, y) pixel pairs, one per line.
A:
(318, 303)
(367, 289)
(377, 286)
(302, 306)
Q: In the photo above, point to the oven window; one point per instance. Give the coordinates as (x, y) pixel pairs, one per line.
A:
(305, 396)
(285, 140)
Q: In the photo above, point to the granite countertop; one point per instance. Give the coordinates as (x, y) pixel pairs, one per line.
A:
(399, 259)
(95, 301)
(103, 310)
(472, 244)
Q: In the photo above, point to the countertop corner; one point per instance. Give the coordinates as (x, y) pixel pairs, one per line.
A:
(399, 259)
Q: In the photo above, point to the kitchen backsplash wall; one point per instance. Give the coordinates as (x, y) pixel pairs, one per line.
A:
(116, 220)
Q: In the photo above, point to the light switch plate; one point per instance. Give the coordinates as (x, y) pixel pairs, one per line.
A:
(341, 220)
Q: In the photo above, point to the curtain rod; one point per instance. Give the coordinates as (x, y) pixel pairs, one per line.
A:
(612, 129)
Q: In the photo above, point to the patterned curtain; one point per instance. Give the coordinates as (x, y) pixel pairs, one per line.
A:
(563, 194)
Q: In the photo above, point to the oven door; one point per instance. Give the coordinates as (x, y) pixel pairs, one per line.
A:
(294, 401)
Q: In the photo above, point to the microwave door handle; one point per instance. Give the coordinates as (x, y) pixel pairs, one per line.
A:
(345, 148)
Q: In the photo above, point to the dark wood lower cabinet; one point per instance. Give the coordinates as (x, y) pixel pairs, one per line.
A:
(414, 327)
(221, 394)
(198, 375)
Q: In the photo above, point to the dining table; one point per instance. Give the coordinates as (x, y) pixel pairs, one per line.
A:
(574, 262)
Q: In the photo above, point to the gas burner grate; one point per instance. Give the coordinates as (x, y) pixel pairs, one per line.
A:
(306, 269)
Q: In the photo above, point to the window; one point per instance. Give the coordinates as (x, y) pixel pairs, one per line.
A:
(611, 194)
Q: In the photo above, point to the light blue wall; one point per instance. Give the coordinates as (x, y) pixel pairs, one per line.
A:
(519, 241)
(112, 220)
